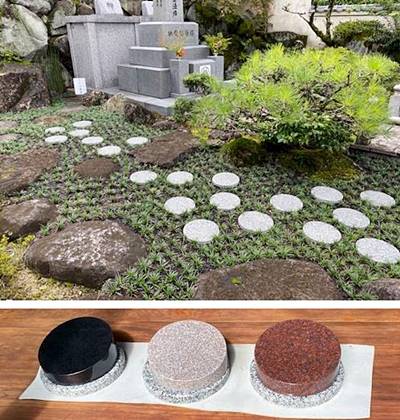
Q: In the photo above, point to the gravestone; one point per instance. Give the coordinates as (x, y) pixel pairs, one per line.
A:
(168, 10)
(108, 7)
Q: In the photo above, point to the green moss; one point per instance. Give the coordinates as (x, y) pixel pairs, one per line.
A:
(244, 151)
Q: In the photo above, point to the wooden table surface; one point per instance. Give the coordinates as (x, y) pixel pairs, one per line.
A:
(21, 332)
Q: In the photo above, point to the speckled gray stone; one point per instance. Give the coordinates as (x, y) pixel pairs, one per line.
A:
(378, 199)
(226, 180)
(143, 177)
(80, 134)
(91, 387)
(327, 195)
(56, 139)
(179, 205)
(254, 221)
(55, 130)
(286, 203)
(108, 151)
(82, 124)
(295, 401)
(378, 251)
(351, 218)
(91, 141)
(322, 232)
(180, 178)
(137, 141)
(201, 231)
(225, 201)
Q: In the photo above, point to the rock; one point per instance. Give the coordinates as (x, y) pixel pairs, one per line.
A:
(180, 178)
(286, 203)
(22, 169)
(165, 151)
(57, 16)
(165, 125)
(79, 133)
(225, 201)
(86, 253)
(7, 125)
(378, 251)
(6, 138)
(268, 280)
(23, 87)
(95, 98)
(39, 7)
(56, 139)
(327, 195)
(137, 141)
(351, 218)
(116, 104)
(226, 180)
(82, 124)
(22, 219)
(55, 130)
(137, 114)
(321, 232)
(23, 32)
(179, 205)
(254, 221)
(378, 199)
(108, 151)
(143, 177)
(201, 231)
(385, 289)
(50, 120)
(61, 44)
(91, 141)
(85, 10)
(96, 168)
(132, 7)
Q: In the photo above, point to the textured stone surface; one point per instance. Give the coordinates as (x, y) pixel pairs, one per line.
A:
(322, 232)
(378, 199)
(55, 130)
(327, 195)
(137, 141)
(254, 221)
(225, 201)
(378, 251)
(143, 177)
(108, 151)
(91, 141)
(53, 120)
(82, 124)
(7, 125)
(226, 180)
(201, 231)
(179, 205)
(22, 219)
(385, 289)
(166, 150)
(268, 280)
(286, 203)
(180, 178)
(79, 133)
(96, 168)
(86, 253)
(297, 357)
(56, 139)
(6, 138)
(22, 169)
(351, 218)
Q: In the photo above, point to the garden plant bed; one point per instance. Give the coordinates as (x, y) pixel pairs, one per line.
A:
(173, 264)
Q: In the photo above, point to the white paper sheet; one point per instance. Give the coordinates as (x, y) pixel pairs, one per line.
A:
(238, 395)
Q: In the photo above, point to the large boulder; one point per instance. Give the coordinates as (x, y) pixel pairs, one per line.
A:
(96, 168)
(23, 32)
(63, 8)
(86, 253)
(384, 289)
(132, 7)
(39, 7)
(22, 87)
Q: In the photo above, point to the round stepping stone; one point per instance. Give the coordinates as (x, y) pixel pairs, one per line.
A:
(137, 141)
(80, 134)
(56, 139)
(187, 362)
(351, 218)
(180, 178)
(143, 177)
(254, 221)
(322, 232)
(225, 201)
(55, 130)
(179, 205)
(378, 199)
(108, 151)
(378, 251)
(82, 124)
(286, 203)
(327, 195)
(226, 180)
(201, 231)
(90, 141)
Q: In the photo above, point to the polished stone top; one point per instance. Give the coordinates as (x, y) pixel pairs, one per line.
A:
(297, 357)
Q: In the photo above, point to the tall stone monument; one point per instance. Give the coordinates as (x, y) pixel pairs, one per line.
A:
(168, 11)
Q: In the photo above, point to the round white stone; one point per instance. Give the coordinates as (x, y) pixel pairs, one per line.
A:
(143, 177)
(55, 130)
(225, 201)
(327, 195)
(137, 141)
(201, 231)
(109, 151)
(80, 134)
(378, 251)
(92, 140)
(179, 205)
(56, 139)
(82, 124)
(286, 203)
(226, 180)
(322, 232)
(254, 221)
(378, 199)
(180, 178)
(351, 218)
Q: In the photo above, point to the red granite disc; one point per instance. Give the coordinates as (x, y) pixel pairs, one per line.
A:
(297, 357)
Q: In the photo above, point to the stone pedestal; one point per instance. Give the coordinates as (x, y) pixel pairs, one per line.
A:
(179, 70)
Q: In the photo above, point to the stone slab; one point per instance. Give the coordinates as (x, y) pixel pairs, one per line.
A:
(96, 168)
(108, 151)
(327, 195)
(55, 130)
(255, 221)
(225, 201)
(322, 232)
(137, 141)
(286, 203)
(167, 34)
(91, 141)
(82, 124)
(378, 199)
(226, 180)
(351, 218)
(143, 177)
(179, 205)
(378, 251)
(79, 133)
(180, 178)
(201, 231)
(56, 139)
(384, 289)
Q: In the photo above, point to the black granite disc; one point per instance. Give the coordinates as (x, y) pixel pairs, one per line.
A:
(78, 351)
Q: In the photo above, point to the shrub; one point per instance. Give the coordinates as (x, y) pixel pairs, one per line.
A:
(8, 57)
(7, 267)
(218, 43)
(317, 99)
(200, 83)
(183, 110)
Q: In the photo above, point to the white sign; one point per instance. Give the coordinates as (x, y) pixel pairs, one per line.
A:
(205, 69)
(80, 86)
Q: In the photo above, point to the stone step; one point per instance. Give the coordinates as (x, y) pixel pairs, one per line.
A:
(149, 81)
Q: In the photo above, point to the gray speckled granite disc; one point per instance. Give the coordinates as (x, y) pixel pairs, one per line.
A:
(143, 177)
(55, 130)
(226, 180)
(378, 251)
(80, 134)
(351, 218)
(108, 151)
(56, 139)
(254, 221)
(378, 199)
(322, 232)
(225, 201)
(90, 141)
(82, 124)
(180, 178)
(327, 195)
(201, 231)
(137, 141)
(179, 205)
(295, 401)
(286, 203)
